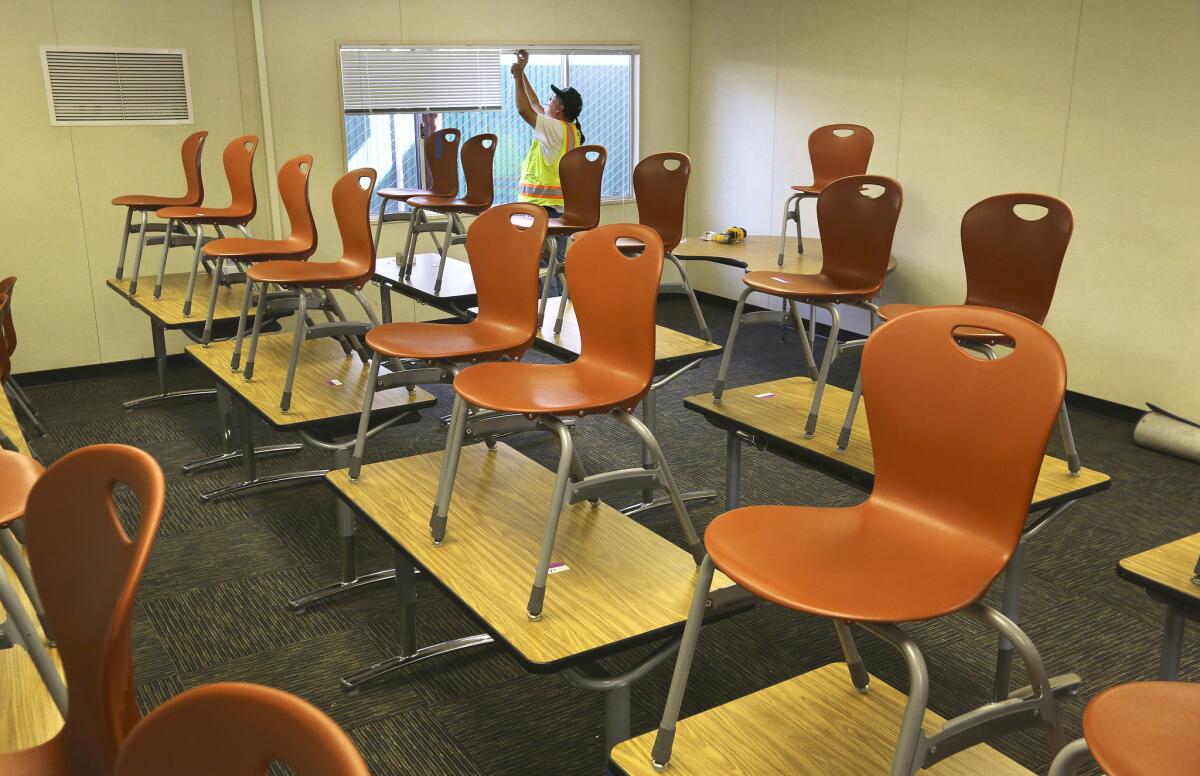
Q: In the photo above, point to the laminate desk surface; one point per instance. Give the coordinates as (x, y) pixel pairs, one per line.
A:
(458, 284)
(1167, 569)
(621, 584)
(9, 424)
(761, 253)
(778, 418)
(329, 384)
(816, 723)
(168, 308)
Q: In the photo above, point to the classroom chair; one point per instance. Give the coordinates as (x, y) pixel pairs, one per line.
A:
(958, 444)
(441, 161)
(835, 151)
(581, 173)
(1138, 729)
(1011, 263)
(235, 729)
(8, 346)
(244, 251)
(856, 234)
(238, 159)
(615, 299)
(351, 208)
(87, 571)
(477, 155)
(193, 146)
(19, 473)
(504, 259)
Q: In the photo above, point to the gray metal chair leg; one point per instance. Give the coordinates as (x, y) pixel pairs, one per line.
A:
(364, 420)
(16, 560)
(660, 754)
(719, 386)
(787, 216)
(831, 346)
(259, 314)
(444, 250)
(537, 595)
(20, 629)
(191, 287)
(410, 241)
(563, 301)
(691, 295)
(1068, 438)
(137, 256)
(551, 271)
(124, 243)
(206, 337)
(455, 436)
(1070, 758)
(15, 386)
(285, 402)
(805, 341)
(852, 410)
(379, 228)
(235, 363)
(858, 670)
(24, 409)
(162, 264)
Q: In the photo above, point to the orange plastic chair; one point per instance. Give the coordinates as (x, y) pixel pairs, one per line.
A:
(1138, 729)
(193, 146)
(581, 172)
(238, 730)
(856, 234)
(504, 265)
(8, 346)
(477, 156)
(244, 251)
(1012, 263)
(351, 206)
(943, 518)
(835, 151)
(615, 304)
(87, 571)
(441, 161)
(238, 159)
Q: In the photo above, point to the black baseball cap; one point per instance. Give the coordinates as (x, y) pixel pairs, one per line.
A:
(571, 100)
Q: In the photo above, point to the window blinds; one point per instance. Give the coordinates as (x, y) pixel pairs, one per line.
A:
(116, 86)
(385, 79)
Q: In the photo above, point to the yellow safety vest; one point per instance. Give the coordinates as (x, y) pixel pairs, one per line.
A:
(539, 179)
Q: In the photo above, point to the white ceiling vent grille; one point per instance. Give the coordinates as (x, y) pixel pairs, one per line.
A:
(116, 86)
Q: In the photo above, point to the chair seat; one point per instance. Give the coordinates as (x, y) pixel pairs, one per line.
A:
(557, 226)
(869, 562)
(1145, 728)
(890, 312)
(812, 189)
(49, 758)
(223, 216)
(404, 194)
(18, 472)
(817, 287)
(448, 341)
(578, 388)
(253, 249)
(315, 274)
(448, 204)
(147, 202)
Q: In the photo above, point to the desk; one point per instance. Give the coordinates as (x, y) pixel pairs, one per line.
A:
(623, 585)
(776, 423)
(1167, 574)
(803, 726)
(454, 294)
(760, 253)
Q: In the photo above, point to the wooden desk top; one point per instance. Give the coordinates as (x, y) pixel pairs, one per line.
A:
(168, 309)
(458, 284)
(761, 253)
(816, 723)
(670, 347)
(1167, 570)
(9, 424)
(624, 584)
(779, 421)
(315, 399)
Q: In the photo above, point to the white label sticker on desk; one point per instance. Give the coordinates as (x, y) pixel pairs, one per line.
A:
(557, 567)
(333, 381)
(781, 280)
(764, 395)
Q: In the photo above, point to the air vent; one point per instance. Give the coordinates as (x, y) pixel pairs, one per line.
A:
(116, 86)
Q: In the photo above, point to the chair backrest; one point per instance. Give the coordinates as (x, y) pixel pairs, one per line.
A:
(580, 173)
(660, 193)
(8, 332)
(1012, 262)
(87, 569)
(504, 263)
(238, 730)
(5, 361)
(957, 438)
(441, 156)
(193, 145)
(857, 229)
(293, 190)
(615, 297)
(352, 208)
(238, 159)
(477, 156)
(838, 150)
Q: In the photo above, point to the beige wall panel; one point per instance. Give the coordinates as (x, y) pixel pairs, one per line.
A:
(1126, 304)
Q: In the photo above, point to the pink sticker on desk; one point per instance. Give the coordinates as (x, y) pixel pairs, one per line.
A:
(557, 567)
(764, 396)
(333, 381)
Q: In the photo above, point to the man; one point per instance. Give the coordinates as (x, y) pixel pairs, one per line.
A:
(556, 131)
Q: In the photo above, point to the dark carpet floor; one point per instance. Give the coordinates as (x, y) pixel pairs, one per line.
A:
(211, 605)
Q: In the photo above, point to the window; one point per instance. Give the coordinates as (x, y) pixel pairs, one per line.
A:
(606, 77)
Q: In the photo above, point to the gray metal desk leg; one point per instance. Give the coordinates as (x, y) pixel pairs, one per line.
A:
(733, 470)
(1172, 646)
(159, 338)
(231, 453)
(385, 302)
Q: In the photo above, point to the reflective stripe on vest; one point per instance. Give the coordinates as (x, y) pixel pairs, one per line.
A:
(540, 183)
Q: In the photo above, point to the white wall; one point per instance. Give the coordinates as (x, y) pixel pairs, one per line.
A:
(1095, 102)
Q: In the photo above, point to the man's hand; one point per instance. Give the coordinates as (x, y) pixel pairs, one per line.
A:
(522, 58)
